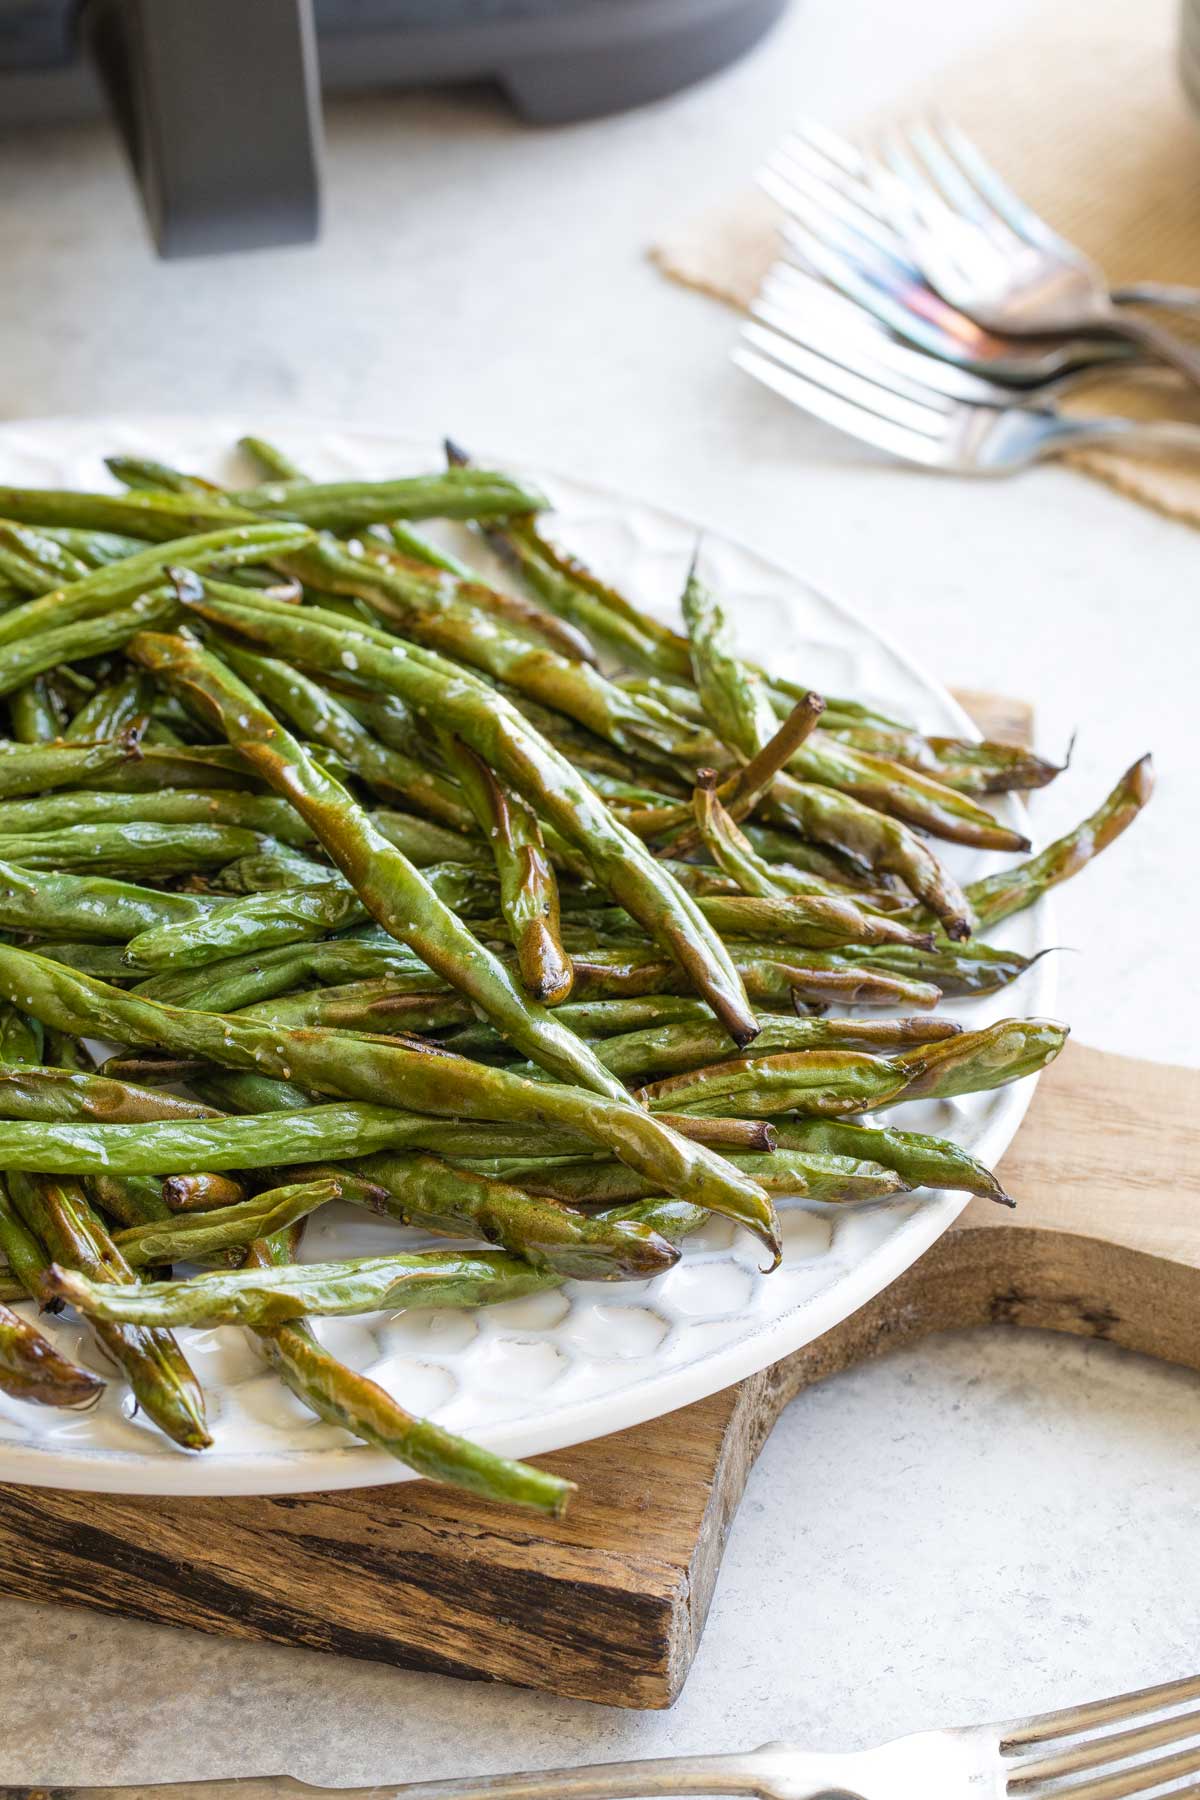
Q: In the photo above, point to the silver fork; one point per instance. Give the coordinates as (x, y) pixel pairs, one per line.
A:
(814, 316)
(960, 436)
(844, 173)
(1020, 1759)
(986, 253)
(830, 235)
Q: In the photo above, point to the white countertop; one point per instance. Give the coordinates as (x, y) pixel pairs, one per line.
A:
(979, 1526)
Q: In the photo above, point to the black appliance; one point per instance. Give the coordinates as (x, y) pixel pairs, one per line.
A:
(218, 101)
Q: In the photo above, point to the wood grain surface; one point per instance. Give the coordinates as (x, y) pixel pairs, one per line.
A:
(609, 1604)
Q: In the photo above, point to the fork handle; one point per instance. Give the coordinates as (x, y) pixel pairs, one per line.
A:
(1162, 344)
(772, 1773)
(1167, 294)
(1118, 434)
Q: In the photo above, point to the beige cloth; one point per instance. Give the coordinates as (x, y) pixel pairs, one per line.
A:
(1082, 112)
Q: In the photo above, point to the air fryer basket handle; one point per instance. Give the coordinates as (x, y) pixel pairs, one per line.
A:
(219, 105)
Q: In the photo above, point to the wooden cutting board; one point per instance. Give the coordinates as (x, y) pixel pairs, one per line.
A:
(609, 1604)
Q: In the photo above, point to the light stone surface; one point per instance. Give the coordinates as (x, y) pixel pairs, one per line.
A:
(982, 1525)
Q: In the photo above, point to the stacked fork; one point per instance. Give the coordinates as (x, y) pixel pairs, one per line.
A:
(922, 306)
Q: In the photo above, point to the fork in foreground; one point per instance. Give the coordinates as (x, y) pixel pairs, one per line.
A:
(1109, 1745)
(868, 399)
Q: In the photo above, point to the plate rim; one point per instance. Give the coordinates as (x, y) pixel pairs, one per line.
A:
(337, 1468)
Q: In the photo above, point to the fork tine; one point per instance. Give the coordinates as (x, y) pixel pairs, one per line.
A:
(1011, 208)
(959, 190)
(846, 335)
(858, 421)
(1112, 1747)
(1135, 1780)
(908, 445)
(787, 180)
(797, 191)
(893, 396)
(843, 241)
(836, 149)
(1070, 1720)
(799, 145)
(910, 308)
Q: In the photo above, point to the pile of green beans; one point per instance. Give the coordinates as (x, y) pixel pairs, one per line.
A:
(501, 912)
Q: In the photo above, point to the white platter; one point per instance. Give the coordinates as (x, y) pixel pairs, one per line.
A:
(564, 1367)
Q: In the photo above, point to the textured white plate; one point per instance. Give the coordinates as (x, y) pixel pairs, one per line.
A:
(562, 1367)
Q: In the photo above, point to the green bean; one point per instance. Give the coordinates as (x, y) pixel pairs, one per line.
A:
(33, 1370)
(203, 1192)
(36, 712)
(598, 1182)
(65, 1095)
(30, 656)
(193, 1235)
(670, 1049)
(770, 975)
(733, 852)
(118, 584)
(955, 969)
(808, 921)
(273, 461)
(34, 768)
(57, 1212)
(36, 562)
(156, 766)
(264, 1297)
(959, 763)
(273, 868)
(91, 906)
(428, 1192)
(736, 699)
(253, 923)
(22, 1039)
(921, 1160)
(781, 847)
(368, 1068)
(390, 887)
(360, 1406)
(997, 897)
(903, 793)
(92, 548)
(528, 889)
(129, 849)
(179, 1145)
(348, 505)
(261, 813)
(425, 843)
(140, 472)
(447, 618)
(822, 1082)
(572, 592)
(992, 1057)
(129, 1199)
(497, 732)
(245, 981)
(247, 1093)
(26, 1260)
(112, 709)
(831, 1082)
(885, 846)
(741, 792)
(337, 506)
(309, 708)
